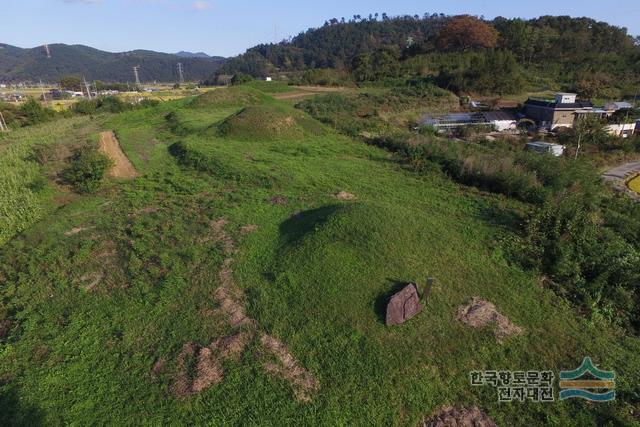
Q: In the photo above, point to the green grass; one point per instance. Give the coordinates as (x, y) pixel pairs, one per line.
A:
(315, 274)
(24, 190)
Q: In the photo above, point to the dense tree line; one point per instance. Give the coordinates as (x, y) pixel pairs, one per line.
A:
(594, 58)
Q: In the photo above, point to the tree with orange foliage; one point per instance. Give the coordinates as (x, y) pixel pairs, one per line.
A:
(465, 32)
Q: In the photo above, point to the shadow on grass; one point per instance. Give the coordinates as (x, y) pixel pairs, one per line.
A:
(299, 225)
(14, 412)
(501, 217)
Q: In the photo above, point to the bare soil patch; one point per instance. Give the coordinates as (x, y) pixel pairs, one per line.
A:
(343, 195)
(479, 313)
(286, 367)
(248, 229)
(206, 363)
(450, 416)
(278, 200)
(305, 91)
(122, 167)
(76, 230)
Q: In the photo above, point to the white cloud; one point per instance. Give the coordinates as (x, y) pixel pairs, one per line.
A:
(202, 5)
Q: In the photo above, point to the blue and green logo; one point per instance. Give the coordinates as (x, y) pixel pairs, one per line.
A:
(588, 382)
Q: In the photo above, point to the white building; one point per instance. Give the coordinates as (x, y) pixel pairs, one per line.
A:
(556, 150)
(622, 130)
(618, 105)
(500, 120)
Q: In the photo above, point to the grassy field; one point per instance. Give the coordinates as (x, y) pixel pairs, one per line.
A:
(102, 292)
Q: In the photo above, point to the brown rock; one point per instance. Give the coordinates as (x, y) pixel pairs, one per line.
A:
(403, 305)
(450, 416)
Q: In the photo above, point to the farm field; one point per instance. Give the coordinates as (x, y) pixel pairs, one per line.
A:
(634, 184)
(257, 236)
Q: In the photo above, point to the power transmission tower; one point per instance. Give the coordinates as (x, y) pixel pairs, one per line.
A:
(86, 85)
(46, 48)
(135, 73)
(180, 73)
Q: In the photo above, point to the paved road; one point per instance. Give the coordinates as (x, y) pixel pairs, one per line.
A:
(622, 172)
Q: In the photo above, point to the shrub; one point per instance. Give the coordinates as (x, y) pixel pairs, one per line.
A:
(86, 170)
(240, 78)
(33, 112)
(591, 265)
(103, 104)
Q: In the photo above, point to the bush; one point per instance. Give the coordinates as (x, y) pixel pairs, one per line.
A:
(106, 104)
(240, 78)
(591, 265)
(33, 113)
(468, 165)
(86, 170)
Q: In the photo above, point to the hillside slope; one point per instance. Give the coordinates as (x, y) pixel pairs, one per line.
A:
(229, 284)
(18, 64)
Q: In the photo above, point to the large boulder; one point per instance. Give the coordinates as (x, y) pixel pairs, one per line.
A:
(403, 305)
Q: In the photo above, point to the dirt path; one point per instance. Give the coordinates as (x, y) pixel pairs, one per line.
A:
(122, 167)
(304, 91)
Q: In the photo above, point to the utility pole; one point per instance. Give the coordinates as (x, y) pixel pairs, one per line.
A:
(3, 124)
(135, 73)
(86, 85)
(180, 73)
(44, 96)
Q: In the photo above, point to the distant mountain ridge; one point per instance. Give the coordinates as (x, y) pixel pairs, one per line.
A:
(33, 64)
(184, 54)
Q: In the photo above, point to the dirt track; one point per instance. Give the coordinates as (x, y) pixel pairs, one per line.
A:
(122, 167)
(304, 91)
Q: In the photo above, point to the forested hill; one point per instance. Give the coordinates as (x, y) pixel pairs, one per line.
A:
(17, 64)
(564, 50)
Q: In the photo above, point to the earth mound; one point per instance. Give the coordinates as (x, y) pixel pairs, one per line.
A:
(230, 97)
(268, 122)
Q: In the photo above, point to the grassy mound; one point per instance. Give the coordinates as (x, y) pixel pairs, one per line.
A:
(237, 96)
(260, 122)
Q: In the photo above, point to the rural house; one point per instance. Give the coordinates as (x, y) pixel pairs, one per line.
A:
(561, 112)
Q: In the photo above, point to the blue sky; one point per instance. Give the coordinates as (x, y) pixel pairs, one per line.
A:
(224, 27)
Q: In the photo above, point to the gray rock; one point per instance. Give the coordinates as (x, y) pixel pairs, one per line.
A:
(403, 305)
